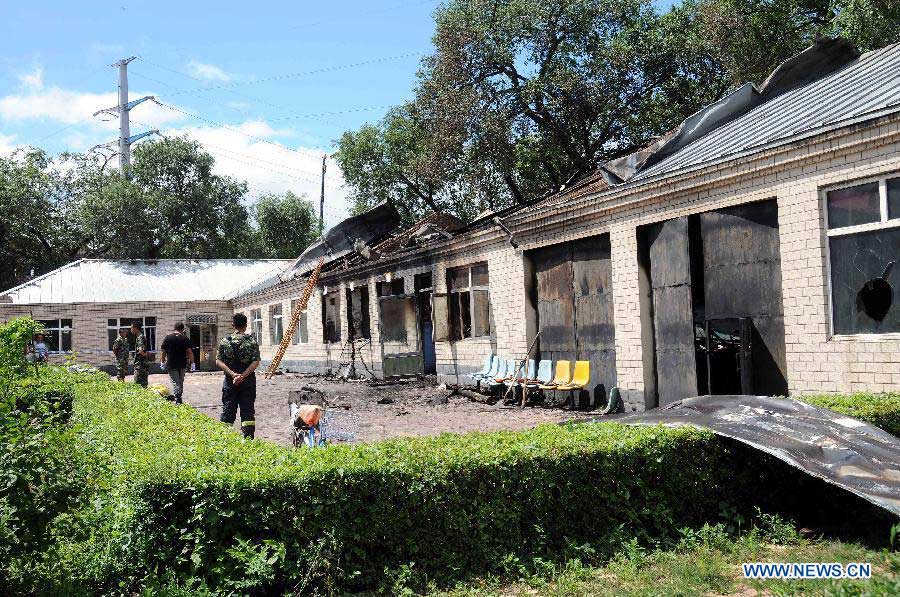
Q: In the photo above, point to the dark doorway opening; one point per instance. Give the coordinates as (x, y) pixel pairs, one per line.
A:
(711, 294)
(423, 287)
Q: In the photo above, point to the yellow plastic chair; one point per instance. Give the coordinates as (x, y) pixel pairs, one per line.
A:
(563, 376)
(580, 378)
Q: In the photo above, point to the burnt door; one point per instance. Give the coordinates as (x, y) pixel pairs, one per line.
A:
(742, 279)
(595, 339)
(555, 302)
(575, 312)
(673, 319)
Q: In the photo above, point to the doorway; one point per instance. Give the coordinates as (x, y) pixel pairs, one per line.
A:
(423, 287)
(712, 306)
(204, 341)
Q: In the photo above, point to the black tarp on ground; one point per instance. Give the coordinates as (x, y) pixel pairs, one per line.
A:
(840, 450)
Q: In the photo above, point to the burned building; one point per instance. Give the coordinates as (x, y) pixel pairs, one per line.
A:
(751, 250)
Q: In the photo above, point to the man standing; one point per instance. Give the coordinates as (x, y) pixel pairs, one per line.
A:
(238, 356)
(176, 356)
(120, 351)
(141, 356)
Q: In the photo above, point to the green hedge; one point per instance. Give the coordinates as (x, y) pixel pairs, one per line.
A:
(177, 498)
(881, 410)
(199, 502)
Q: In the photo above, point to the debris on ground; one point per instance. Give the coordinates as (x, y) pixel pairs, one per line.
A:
(418, 407)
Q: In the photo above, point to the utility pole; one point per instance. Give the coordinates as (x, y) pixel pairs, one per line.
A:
(124, 124)
(123, 109)
(322, 199)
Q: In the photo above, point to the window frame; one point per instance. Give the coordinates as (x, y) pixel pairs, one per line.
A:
(301, 334)
(151, 337)
(60, 330)
(276, 322)
(454, 297)
(256, 324)
(885, 222)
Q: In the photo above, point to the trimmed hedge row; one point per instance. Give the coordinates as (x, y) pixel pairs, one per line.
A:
(202, 503)
(186, 500)
(881, 410)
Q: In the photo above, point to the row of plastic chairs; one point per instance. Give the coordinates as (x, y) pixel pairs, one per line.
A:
(498, 372)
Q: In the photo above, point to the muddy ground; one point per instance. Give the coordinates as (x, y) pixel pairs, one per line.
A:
(372, 412)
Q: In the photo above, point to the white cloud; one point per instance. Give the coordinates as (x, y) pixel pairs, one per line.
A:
(8, 144)
(75, 107)
(268, 168)
(210, 72)
(33, 80)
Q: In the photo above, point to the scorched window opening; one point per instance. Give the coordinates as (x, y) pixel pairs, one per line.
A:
(862, 221)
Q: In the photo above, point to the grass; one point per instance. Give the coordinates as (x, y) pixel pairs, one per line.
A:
(703, 562)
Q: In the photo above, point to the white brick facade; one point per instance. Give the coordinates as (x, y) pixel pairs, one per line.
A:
(794, 175)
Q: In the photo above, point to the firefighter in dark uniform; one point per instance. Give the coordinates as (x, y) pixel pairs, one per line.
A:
(238, 356)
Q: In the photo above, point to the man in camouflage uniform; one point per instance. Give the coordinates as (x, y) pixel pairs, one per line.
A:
(120, 351)
(141, 356)
(238, 356)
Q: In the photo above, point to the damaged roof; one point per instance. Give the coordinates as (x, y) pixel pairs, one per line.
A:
(865, 87)
(166, 280)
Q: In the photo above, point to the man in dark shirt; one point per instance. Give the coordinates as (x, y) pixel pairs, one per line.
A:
(176, 357)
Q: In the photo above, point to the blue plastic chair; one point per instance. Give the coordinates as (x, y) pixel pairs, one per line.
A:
(544, 377)
(488, 364)
(506, 368)
(530, 373)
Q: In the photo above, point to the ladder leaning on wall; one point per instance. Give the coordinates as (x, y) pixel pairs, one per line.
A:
(295, 319)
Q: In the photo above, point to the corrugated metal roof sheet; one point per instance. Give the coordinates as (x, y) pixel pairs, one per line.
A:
(868, 85)
(102, 281)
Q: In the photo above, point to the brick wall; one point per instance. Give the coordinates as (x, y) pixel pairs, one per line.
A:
(89, 322)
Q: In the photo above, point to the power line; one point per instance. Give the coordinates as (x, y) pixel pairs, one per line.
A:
(223, 126)
(295, 116)
(297, 75)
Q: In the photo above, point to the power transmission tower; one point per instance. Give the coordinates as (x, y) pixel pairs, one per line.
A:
(126, 139)
(322, 199)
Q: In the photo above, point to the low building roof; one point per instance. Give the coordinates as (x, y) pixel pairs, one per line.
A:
(163, 280)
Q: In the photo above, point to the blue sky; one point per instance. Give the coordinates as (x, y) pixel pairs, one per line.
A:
(277, 74)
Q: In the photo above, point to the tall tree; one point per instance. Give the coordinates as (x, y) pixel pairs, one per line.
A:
(520, 96)
(286, 225)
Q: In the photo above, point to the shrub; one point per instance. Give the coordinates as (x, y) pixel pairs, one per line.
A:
(41, 476)
(245, 516)
(881, 410)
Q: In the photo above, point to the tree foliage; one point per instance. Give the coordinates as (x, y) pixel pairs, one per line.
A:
(520, 96)
(172, 206)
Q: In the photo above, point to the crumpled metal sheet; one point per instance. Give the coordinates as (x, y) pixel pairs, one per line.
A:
(836, 448)
(368, 226)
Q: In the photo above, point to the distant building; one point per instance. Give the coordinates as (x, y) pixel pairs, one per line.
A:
(83, 304)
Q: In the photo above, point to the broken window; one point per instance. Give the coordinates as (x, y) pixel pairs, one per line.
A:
(469, 302)
(392, 287)
(301, 334)
(399, 332)
(358, 312)
(863, 248)
(331, 318)
(256, 325)
(276, 324)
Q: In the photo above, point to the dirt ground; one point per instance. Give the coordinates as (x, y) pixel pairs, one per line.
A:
(372, 413)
